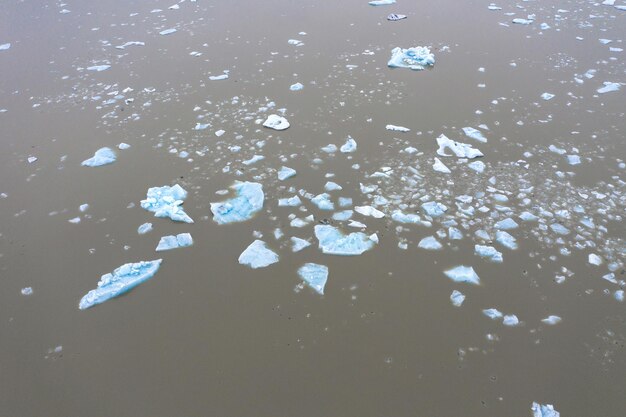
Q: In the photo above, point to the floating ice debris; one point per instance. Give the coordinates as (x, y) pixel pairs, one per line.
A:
(345, 201)
(506, 240)
(298, 244)
(463, 274)
(166, 201)
(342, 216)
(289, 202)
(123, 146)
(557, 150)
(381, 2)
(400, 217)
(414, 58)
(276, 122)
(349, 146)
(521, 21)
(494, 7)
(144, 228)
(255, 158)
(619, 295)
(98, 68)
(478, 166)
(315, 276)
(434, 209)
(488, 252)
(439, 166)
(609, 87)
(5, 46)
(322, 201)
(123, 279)
(493, 313)
(296, 222)
(528, 217)
(167, 31)
(429, 243)
(551, 320)
(573, 159)
(27, 291)
(461, 150)
(506, 224)
(31, 159)
(544, 26)
(257, 255)
(559, 229)
(333, 242)
(248, 201)
(475, 134)
(181, 240)
(219, 133)
(295, 42)
(286, 173)
(369, 211)
(540, 410)
(75, 220)
(332, 186)
(454, 233)
(397, 128)
(83, 207)
(595, 259)
(103, 156)
(608, 2)
(218, 77)
(395, 17)
(457, 298)
(330, 148)
(131, 43)
(547, 96)
(510, 320)
(201, 126)
(296, 87)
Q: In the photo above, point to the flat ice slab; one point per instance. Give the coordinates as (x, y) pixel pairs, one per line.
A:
(348, 147)
(276, 122)
(540, 410)
(166, 201)
(181, 240)
(395, 128)
(381, 2)
(333, 242)
(123, 279)
(460, 150)
(475, 134)
(249, 200)
(257, 255)
(285, 173)
(416, 58)
(463, 274)
(315, 276)
(103, 156)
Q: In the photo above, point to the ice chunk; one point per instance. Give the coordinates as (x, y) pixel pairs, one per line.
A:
(296, 87)
(559, 229)
(144, 228)
(540, 410)
(369, 211)
(506, 224)
(478, 166)
(255, 158)
(298, 244)
(429, 243)
(416, 58)
(521, 21)
(98, 68)
(395, 17)
(315, 276)
(123, 146)
(123, 279)
(493, 313)
(249, 200)
(488, 252)
(342, 216)
(103, 156)
(510, 320)
(434, 209)
(167, 31)
(289, 202)
(322, 201)
(31, 159)
(131, 43)
(461, 150)
(218, 77)
(457, 298)
(551, 320)
(528, 217)
(454, 233)
(547, 96)
(573, 159)
(381, 2)
(27, 291)
(595, 259)
(439, 166)
(397, 128)
(619, 295)
(400, 217)
(345, 201)
(181, 240)
(506, 240)
(349, 146)
(257, 255)
(333, 242)
(330, 148)
(5, 46)
(166, 201)
(276, 122)
(557, 150)
(286, 173)
(463, 274)
(609, 87)
(332, 186)
(475, 134)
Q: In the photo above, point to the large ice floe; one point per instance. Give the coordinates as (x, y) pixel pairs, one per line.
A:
(103, 156)
(258, 255)
(540, 410)
(416, 58)
(463, 274)
(315, 276)
(460, 150)
(166, 201)
(249, 200)
(333, 242)
(181, 240)
(276, 122)
(123, 279)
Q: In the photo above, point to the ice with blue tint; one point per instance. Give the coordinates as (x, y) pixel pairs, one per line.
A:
(322, 201)
(144, 228)
(439, 166)
(342, 215)
(540, 410)
(369, 211)
(395, 17)
(506, 224)
(98, 68)
(330, 148)
(475, 134)
(401, 217)
(276, 122)
(547, 96)
(506, 240)
(103, 156)
(429, 243)
(5, 46)
(315, 276)
(349, 146)
(166, 201)
(457, 298)
(460, 150)
(478, 166)
(167, 31)
(258, 255)
(551, 320)
(381, 2)
(285, 173)
(296, 87)
(454, 233)
(123, 279)
(521, 21)
(559, 229)
(298, 244)
(332, 186)
(488, 252)
(510, 320)
(345, 201)
(181, 240)
(493, 313)
(463, 274)
(573, 159)
(289, 202)
(609, 87)
(255, 158)
(528, 217)
(247, 203)
(619, 295)
(434, 209)
(416, 58)
(333, 242)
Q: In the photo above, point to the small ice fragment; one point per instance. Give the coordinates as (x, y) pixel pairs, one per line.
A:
(332, 186)
(551, 320)
(528, 217)
(276, 122)
(429, 243)
(218, 77)
(557, 150)
(381, 2)
(488, 252)
(619, 295)
(123, 279)
(595, 259)
(98, 68)
(457, 298)
(255, 158)
(547, 96)
(439, 166)
(27, 291)
(395, 17)
(494, 7)
(434, 209)
(342, 216)
(75, 220)
(414, 58)
(181, 240)
(295, 42)
(356, 224)
(521, 21)
(315, 276)
(510, 320)
(285, 173)
(330, 148)
(201, 126)
(31, 159)
(540, 410)
(609, 87)
(559, 229)
(123, 146)
(369, 211)
(454, 233)
(248, 201)
(573, 159)
(506, 224)
(544, 26)
(463, 274)
(5, 46)
(144, 228)
(83, 207)
(397, 128)
(333, 242)
(349, 146)
(345, 201)
(167, 31)
(131, 43)
(166, 201)
(298, 244)
(478, 166)
(400, 217)
(475, 134)
(257, 255)
(322, 201)
(219, 133)
(492, 313)
(461, 150)
(506, 240)
(289, 202)
(296, 87)
(103, 156)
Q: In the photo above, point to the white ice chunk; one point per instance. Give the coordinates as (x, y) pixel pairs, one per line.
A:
(400, 217)
(248, 201)
(395, 17)
(429, 243)
(506, 224)
(573, 159)
(439, 166)
(551, 320)
(332, 186)
(457, 298)
(521, 21)
(488, 252)
(434, 209)
(166, 201)
(322, 201)
(381, 2)
(285, 173)
(349, 146)
(257, 255)
(463, 274)
(547, 96)
(181, 240)
(298, 244)
(123, 146)
(461, 150)
(369, 211)
(315, 276)
(333, 242)
(144, 228)
(493, 313)
(276, 122)
(218, 77)
(506, 240)
(397, 128)
(296, 87)
(98, 68)
(27, 291)
(609, 87)
(5, 46)
(416, 58)
(289, 202)
(478, 166)
(255, 158)
(167, 31)
(540, 410)
(559, 229)
(342, 216)
(475, 134)
(510, 320)
(595, 259)
(103, 156)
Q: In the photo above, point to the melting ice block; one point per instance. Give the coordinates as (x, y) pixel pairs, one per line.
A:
(475, 134)
(103, 156)
(181, 240)
(493, 313)
(488, 252)
(540, 410)
(461, 150)
(463, 274)
(276, 122)
(166, 201)
(285, 173)
(349, 146)
(429, 243)
(167, 32)
(333, 242)
(296, 87)
(401, 217)
(5, 46)
(315, 276)
(506, 240)
(506, 224)
(416, 58)
(322, 201)
(395, 17)
(144, 228)
(551, 320)
(257, 255)
(123, 279)
(248, 201)
(457, 298)
(297, 244)
(369, 211)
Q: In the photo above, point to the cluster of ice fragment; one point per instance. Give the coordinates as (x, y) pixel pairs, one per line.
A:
(166, 201)
(181, 240)
(417, 58)
(248, 201)
(333, 242)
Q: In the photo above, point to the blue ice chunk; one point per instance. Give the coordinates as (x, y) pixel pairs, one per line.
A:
(167, 32)
(333, 242)
(551, 320)
(144, 228)
(103, 156)
(249, 200)
(506, 224)
(454, 233)
(330, 148)
(400, 217)
(123, 279)
(540, 410)
(434, 209)
(349, 146)
(296, 87)
(619, 295)
(488, 252)
(460, 150)
(345, 201)
(441, 167)
(286, 173)
(5, 46)
(463, 274)
(181, 240)
(257, 255)
(521, 21)
(457, 298)
(547, 96)
(255, 158)
(289, 202)
(475, 134)
(166, 202)
(416, 58)
(506, 240)
(573, 159)
(493, 313)
(381, 2)
(609, 87)
(276, 122)
(298, 244)
(332, 186)
(322, 201)
(315, 276)
(559, 229)
(98, 68)
(478, 166)
(528, 217)
(342, 215)
(429, 243)
(510, 320)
